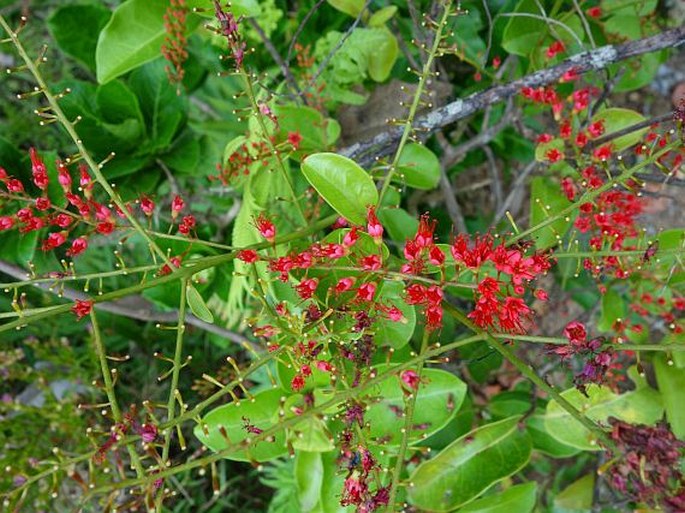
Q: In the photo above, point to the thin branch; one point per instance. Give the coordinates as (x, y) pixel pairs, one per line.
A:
(300, 27)
(365, 152)
(628, 130)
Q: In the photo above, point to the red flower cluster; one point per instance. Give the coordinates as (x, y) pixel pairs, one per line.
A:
(175, 42)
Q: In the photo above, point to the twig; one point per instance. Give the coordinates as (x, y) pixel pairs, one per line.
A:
(300, 27)
(365, 152)
(516, 186)
(448, 194)
(283, 65)
(494, 175)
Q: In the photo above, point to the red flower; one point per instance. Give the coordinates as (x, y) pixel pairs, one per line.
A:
(602, 153)
(416, 294)
(344, 285)
(371, 262)
(424, 233)
(82, 308)
(575, 332)
(594, 12)
(249, 256)
(78, 246)
(544, 138)
(14, 185)
(496, 61)
(147, 206)
(554, 48)
(40, 173)
(177, 205)
(266, 228)
(568, 188)
(596, 129)
(42, 204)
(306, 288)
(297, 383)
(63, 176)
(366, 291)
(54, 240)
(473, 257)
(187, 224)
(294, 138)
(6, 223)
(554, 155)
(373, 226)
(411, 379)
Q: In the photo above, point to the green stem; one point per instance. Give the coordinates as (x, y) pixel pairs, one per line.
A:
(528, 372)
(408, 423)
(426, 73)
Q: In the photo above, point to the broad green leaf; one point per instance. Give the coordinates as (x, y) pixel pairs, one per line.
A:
(309, 475)
(522, 35)
(76, 29)
(381, 16)
(546, 443)
(197, 305)
(638, 71)
(239, 8)
(671, 381)
(519, 499)
(576, 497)
(333, 482)
(311, 435)
(395, 334)
(470, 465)
(613, 308)
(546, 199)
(384, 55)
(260, 413)
(184, 154)
(163, 108)
(621, 7)
(542, 149)
(670, 239)
(133, 36)
(616, 119)
(342, 183)
(401, 225)
(352, 7)
(418, 167)
(439, 399)
(315, 129)
(641, 406)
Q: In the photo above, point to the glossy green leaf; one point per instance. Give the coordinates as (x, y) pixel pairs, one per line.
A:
(523, 34)
(261, 413)
(576, 497)
(641, 406)
(470, 465)
(133, 36)
(418, 167)
(671, 381)
(383, 57)
(395, 334)
(613, 308)
(239, 8)
(197, 305)
(546, 199)
(351, 7)
(309, 475)
(440, 397)
(382, 16)
(546, 443)
(342, 183)
(311, 435)
(519, 499)
(315, 129)
(401, 225)
(616, 119)
(76, 29)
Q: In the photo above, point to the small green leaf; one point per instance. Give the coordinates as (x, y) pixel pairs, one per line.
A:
(342, 183)
(197, 305)
(238, 8)
(311, 435)
(401, 225)
(616, 119)
(546, 443)
(641, 406)
(309, 474)
(259, 413)
(546, 199)
(613, 308)
(470, 465)
(76, 29)
(671, 381)
(439, 397)
(384, 55)
(418, 167)
(576, 497)
(520, 499)
(395, 334)
(352, 7)
(381, 16)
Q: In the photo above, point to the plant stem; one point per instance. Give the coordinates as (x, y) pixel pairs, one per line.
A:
(426, 72)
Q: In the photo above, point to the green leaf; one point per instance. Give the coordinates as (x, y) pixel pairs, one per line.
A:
(384, 55)
(351, 7)
(671, 381)
(309, 475)
(576, 497)
(470, 465)
(418, 167)
(197, 305)
(613, 308)
(260, 413)
(315, 129)
(546, 199)
(641, 406)
(381, 16)
(342, 184)
(401, 225)
(638, 71)
(616, 119)
(522, 34)
(76, 29)
(439, 397)
(395, 334)
(311, 435)
(238, 8)
(520, 499)
(546, 443)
